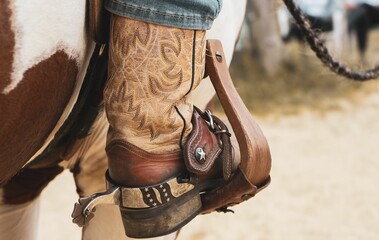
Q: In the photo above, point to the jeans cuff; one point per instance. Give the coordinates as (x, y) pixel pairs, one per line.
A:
(197, 16)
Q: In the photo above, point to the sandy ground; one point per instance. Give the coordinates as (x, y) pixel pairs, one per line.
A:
(324, 175)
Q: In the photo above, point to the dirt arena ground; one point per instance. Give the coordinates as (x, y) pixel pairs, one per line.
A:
(324, 175)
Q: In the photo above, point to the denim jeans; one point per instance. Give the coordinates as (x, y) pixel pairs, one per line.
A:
(187, 14)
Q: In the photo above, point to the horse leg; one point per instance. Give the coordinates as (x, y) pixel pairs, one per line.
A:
(359, 22)
(19, 202)
(19, 221)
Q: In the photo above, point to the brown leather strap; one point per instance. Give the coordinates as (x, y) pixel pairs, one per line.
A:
(224, 138)
(222, 134)
(205, 137)
(255, 152)
(98, 21)
(253, 172)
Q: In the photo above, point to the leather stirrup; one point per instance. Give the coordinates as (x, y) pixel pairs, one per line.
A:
(253, 173)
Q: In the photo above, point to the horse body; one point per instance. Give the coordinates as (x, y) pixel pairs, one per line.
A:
(45, 56)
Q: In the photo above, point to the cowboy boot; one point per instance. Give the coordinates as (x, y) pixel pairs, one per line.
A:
(152, 71)
(169, 161)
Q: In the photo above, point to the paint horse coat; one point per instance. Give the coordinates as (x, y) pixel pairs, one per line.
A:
(45, 53)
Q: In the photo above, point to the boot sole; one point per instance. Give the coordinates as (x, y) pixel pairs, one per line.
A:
(161, 220)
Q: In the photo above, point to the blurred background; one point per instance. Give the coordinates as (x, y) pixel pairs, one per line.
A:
(276, 72)
(323, 130)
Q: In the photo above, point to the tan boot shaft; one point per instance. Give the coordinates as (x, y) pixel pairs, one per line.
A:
(152, 69)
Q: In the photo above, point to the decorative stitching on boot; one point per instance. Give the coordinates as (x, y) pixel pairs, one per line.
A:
(152, 68)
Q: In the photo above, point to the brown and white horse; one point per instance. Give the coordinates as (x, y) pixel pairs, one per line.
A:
(45, 51)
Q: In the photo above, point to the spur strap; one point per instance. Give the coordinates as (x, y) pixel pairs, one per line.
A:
(208, 143)
(132, 198)
(151, 196)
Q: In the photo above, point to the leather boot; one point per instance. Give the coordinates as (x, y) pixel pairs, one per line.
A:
(152, 71)
(165, 178)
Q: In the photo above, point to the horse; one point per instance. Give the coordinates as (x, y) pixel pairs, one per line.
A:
(362, 18)
(48, 62)
(326, 17)
(330, 18)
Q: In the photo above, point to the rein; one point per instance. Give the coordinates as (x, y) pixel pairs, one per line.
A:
(321, 51)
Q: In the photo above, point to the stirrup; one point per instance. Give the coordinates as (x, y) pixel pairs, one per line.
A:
(253, 173)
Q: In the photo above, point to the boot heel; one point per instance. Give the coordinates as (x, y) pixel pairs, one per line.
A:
(161, 220)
